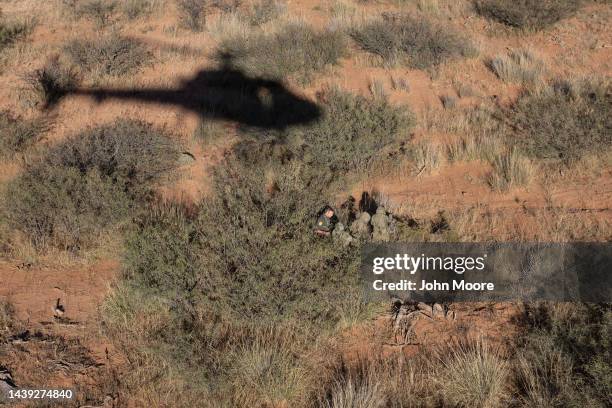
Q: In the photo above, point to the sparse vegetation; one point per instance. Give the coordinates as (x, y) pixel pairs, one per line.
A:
(51, 82)
(294, 50)
(87, 184)
(519, 65)
(563, 121)
(417, 42)
(193, 13)
(528, 14)
(18, 134)
(111, 55)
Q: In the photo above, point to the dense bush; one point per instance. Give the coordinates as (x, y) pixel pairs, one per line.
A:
(88, 183)
(293, 50)
(111, 55)
(563, 121)
(564, 359)
(18, 134)
(353, 132)
(531, 14)
(247, 281)
(416, 42)
(51, 82)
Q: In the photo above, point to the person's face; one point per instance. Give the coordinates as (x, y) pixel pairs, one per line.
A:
(329, 213)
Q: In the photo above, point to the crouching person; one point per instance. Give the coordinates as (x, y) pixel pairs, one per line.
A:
(326, 222)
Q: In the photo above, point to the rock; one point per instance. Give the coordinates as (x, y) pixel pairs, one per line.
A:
(381, 226)
(186, 158)
(361, 227)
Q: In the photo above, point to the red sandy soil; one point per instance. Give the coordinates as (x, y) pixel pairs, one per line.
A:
(578, 46)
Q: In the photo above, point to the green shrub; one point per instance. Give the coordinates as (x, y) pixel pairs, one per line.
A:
(193, 13)
(111, 55)
(88, 184)
(353, 131)
(51, 82)
(530, 14)
(416, 42)
(17, 134)
(294, 50)
(563, 121)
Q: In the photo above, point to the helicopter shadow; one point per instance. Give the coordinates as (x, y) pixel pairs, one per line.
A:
(225, 93)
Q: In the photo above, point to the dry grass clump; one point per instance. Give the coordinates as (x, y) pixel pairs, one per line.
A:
(12, 31)
(111, 55)
(473, 376)
(99, 11)
(563, 121)
(18, 134)
(88, 183)
(510, 169)
(519, 65)
(295, 50)
(417, 42)
(529, 14)
(51, 82)
(134, 9)
(192, 13)
(264, 11)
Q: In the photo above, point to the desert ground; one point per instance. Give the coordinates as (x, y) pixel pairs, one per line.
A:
(161, 163)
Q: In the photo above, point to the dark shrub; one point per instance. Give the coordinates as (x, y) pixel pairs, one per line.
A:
(193, 13)
(88, 183)
(295, 50)
(531, 14)
(111, 55)
(564, 121)
(11, 31)
(51, 82)
(416, 42)
(17, 134)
